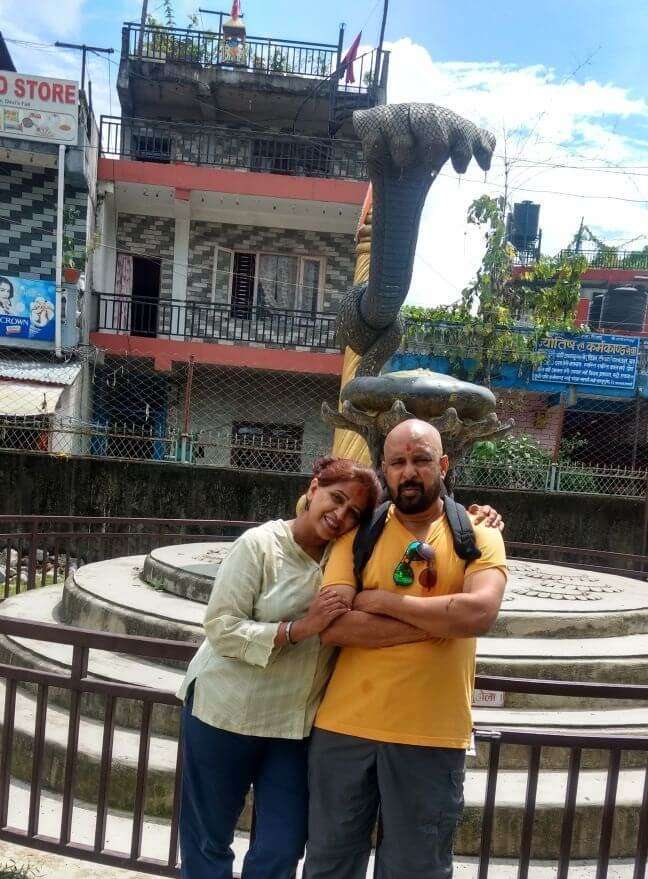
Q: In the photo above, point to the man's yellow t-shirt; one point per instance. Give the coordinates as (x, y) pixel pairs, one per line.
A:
(413, 694)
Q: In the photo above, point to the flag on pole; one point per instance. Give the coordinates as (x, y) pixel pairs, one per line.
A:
(349, 58)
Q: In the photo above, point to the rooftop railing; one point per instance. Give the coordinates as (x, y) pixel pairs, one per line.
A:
(613, 259)
(263, 55)
(148, 140)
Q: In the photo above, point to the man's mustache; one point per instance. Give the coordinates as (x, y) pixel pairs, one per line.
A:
(406, 485)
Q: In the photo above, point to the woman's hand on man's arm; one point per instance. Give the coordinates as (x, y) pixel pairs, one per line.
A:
(356, 628)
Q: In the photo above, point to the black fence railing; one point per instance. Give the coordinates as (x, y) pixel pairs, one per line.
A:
(613, 259)
(216, 322)
(149, 140)
(265, 55)
(494, 742)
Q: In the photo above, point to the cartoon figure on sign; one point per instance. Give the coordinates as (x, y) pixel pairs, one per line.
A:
(6, 296)
(40, 314)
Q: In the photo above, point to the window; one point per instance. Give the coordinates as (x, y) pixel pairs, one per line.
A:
(151, 146)
(271, 281)
(276, 156)
(266, 446)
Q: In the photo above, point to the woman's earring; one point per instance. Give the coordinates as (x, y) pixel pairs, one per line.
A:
(307, 504)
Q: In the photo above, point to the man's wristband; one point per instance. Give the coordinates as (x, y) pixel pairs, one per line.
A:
(289, 639)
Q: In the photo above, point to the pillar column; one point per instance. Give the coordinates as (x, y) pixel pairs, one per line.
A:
(182, 213)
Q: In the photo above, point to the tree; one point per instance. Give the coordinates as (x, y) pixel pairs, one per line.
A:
(489, 316)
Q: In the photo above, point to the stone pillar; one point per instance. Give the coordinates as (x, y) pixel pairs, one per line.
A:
(104, 260)
(182, 209)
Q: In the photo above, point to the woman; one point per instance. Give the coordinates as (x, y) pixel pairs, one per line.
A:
(252, 690)
(6, 296)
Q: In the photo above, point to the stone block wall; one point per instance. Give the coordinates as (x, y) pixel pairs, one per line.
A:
(28, 220)
(151, 237)
(337, 249)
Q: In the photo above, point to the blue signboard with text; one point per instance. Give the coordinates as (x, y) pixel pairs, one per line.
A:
(589, 359)
(27, 309)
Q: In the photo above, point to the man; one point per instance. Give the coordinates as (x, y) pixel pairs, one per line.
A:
(395, 723)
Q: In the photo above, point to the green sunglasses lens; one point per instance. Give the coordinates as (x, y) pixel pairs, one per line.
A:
(403, 574)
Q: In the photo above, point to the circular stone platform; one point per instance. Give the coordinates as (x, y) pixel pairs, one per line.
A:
(187, 570)
(556, 623)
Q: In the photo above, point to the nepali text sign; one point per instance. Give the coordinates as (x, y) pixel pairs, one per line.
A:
(592, 359)
(38, 108)
(27, 309)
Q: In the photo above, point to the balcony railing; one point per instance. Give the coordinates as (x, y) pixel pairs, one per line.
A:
(152, 141)
(264, 55)
(171, 318)
(613, 259)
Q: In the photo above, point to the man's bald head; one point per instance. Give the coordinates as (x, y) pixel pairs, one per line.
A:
(414, 465)
(414, 430)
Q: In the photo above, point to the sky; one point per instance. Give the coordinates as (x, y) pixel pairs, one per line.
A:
(562, 86)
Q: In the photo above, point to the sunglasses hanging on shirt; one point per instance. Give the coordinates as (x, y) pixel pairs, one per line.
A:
(419, 551)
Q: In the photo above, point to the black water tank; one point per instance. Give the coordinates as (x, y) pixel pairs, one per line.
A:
(524, 225)
(594, 317)
(624, 308)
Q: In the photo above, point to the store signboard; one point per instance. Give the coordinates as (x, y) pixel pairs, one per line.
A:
(38, 108)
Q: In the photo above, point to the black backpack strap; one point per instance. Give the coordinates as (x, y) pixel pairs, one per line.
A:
(366, 538)
(463, 535)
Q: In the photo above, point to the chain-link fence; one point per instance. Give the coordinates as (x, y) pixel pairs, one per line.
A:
(123, 407)
(95, 404)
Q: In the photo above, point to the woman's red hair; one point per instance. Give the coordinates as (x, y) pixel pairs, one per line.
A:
(330, 470)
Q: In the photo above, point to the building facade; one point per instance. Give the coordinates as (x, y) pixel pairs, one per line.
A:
(229, 191)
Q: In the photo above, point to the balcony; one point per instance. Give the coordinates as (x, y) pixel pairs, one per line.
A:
(262, 55)
(196, 321)
(613, 259)
(147, 140)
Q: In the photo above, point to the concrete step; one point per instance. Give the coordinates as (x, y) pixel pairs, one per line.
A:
(111, 597)
(156, 838)
(553, 601)
(47, 605)
(162, 759)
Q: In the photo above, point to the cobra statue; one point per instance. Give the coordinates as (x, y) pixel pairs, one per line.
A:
(405, 147)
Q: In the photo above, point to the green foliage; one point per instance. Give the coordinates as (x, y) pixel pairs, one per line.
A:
(12, 870)
(520, 462)
(486, 332)
(72, 259)
(278, 62)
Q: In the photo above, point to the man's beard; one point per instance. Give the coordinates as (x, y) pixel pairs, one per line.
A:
(419, 503)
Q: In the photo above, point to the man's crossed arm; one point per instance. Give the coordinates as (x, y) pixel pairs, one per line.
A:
(379, 618)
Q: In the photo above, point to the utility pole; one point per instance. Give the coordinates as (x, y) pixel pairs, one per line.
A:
(142, 26)
(579, 237)
(84, 49)
(381, 39)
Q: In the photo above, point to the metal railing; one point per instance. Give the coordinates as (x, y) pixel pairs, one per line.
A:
(268, 152)
(172, 318)
(78, 683)
(612, 259)
(561, 477)
(263, 55)
(37, 551)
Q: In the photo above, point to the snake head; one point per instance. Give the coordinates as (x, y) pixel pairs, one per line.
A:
(398, 136)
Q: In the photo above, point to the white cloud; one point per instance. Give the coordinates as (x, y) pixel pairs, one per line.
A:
(544, 122)
(56, 20)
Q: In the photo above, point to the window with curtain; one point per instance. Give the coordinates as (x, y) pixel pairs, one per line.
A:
(277, 277)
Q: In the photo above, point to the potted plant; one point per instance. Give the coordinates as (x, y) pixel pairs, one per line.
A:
(74, 262)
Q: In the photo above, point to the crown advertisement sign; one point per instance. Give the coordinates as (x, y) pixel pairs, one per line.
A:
(38, 108)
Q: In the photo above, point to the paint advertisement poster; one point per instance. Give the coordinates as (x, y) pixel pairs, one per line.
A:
(38, 108)
(27, 309)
